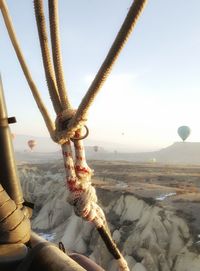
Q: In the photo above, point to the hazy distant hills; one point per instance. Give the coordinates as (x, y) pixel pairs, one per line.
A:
(46, 150)
(43, 144)
(180, 152)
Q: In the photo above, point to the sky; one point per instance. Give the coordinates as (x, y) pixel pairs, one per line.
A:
(153, 88)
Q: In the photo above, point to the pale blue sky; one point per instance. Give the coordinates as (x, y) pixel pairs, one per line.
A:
(154, 87)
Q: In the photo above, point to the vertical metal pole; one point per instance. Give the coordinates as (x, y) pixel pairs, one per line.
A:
(8, 170)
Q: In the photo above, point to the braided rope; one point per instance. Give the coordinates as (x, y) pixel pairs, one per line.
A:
(123, 266)
(78, 174)
(81, 115)
(78, 181)
(56, 51)
(10, 28)
(62, 136)
(122, 37)
(83, 195)
(46, 57)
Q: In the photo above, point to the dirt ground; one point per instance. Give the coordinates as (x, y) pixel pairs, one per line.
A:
(176, 187)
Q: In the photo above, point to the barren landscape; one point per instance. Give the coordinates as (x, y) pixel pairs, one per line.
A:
(172, 186)
(152, 211)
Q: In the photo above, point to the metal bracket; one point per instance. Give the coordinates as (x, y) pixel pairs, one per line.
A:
(5, 121)
(12, 120)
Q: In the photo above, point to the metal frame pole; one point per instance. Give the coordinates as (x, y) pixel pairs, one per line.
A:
(8, 170)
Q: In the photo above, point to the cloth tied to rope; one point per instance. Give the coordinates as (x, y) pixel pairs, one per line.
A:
(78, 180)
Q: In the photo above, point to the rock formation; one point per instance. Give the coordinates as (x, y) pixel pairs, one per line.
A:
(151, 238)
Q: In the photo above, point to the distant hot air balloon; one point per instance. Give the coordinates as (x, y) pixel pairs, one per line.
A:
(96, 148)
(31, 144)
(184, 132)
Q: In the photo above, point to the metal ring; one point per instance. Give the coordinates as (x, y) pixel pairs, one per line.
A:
(82, 137)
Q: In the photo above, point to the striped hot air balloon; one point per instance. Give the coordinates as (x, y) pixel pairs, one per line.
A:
(31, 144)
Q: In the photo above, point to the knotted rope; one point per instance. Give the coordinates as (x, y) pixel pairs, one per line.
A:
(69, 123)
(78, 180)
(81, 114)
(83, 195)
(105, 69)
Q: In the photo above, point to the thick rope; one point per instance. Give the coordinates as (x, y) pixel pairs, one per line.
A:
(46, 57)
(78, 174)
(56, 52)
(14, 224)
(9, 25)
(122, 36)
(83, 195)
(78, 180)
(61, 135)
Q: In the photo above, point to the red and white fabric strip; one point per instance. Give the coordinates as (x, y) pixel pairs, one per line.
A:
(78, 181)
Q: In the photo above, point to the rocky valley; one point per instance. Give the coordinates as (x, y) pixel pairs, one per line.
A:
(152, 211)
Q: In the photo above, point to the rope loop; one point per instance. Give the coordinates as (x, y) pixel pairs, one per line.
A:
(62, 133)
(85, 205)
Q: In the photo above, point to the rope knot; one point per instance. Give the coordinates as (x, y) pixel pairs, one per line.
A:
(63, 119)
(85, 205)
(63, 132)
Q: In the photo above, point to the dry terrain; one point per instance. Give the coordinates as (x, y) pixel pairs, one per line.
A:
(151, 208)
(174, 187)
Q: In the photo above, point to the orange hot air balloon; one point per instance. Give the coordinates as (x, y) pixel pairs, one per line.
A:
(31, 144)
